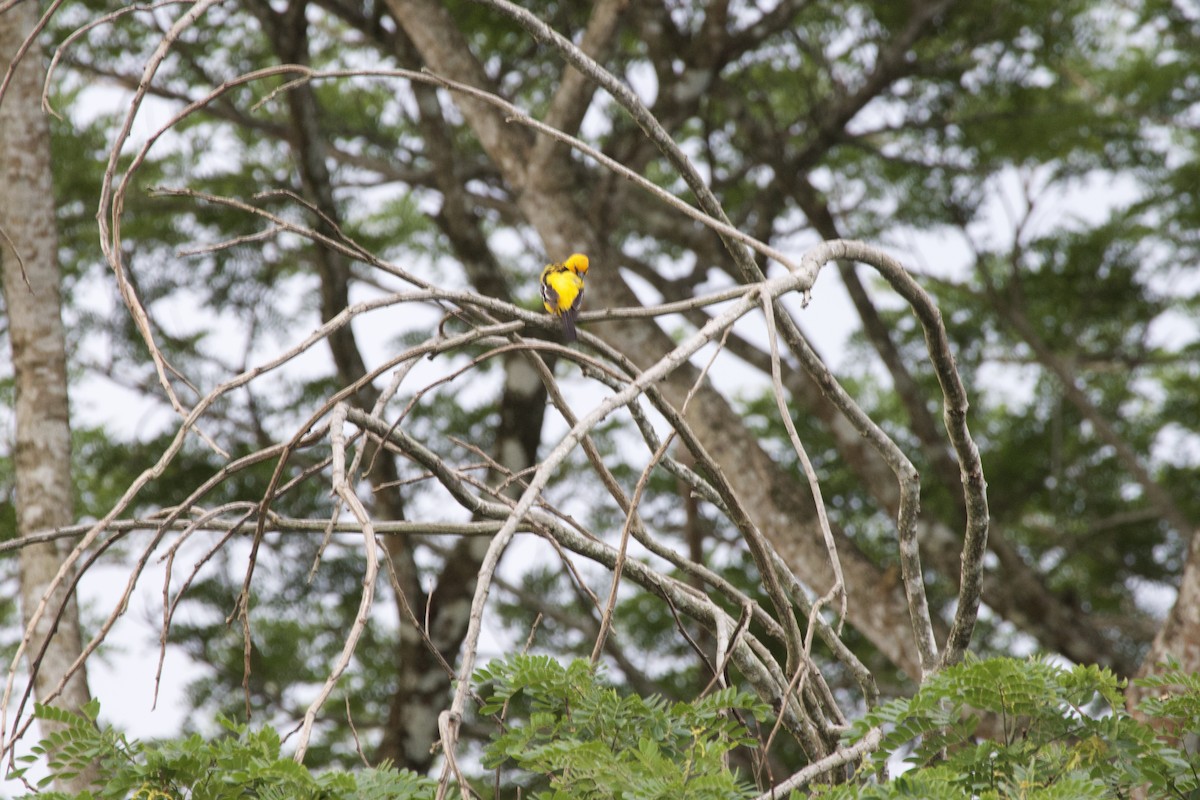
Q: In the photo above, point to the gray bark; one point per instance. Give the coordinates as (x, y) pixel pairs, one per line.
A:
(42, 452)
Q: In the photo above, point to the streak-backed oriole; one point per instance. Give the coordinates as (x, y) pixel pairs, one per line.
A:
(562, 290)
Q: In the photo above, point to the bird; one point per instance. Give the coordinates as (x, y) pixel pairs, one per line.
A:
(562, 290)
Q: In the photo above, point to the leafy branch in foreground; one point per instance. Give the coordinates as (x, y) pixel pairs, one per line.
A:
(1005, 727)
(240, 763)
(589, 741)
(999, 728)
(566, 734)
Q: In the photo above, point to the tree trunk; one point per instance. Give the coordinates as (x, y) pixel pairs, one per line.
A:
(42, 460)
(1179, 637)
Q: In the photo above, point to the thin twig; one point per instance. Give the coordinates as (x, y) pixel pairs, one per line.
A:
(634, 502)
(12, 248)
(814, 483)
(345, 492)
(29, 42)
(104, 19)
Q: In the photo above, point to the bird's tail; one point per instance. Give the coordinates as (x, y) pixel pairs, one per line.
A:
(568, 320)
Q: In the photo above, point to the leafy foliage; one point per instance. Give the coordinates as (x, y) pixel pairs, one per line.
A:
(593, 742)
(1004, 727)
(996, 728)
(241, 763)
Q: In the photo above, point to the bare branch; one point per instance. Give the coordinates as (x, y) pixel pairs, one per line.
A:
(839, 583)
(954, 412)
(346, 493)
(868, 744)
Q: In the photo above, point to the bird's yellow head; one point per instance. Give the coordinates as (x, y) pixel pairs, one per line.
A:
(577, 263)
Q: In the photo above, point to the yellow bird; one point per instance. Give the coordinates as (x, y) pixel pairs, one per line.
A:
(562, 290)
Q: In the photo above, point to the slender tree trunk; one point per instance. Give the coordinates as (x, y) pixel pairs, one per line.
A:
(29, 263)
(1179, 637)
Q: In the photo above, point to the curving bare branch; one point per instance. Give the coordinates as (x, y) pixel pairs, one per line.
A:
(479, 330)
